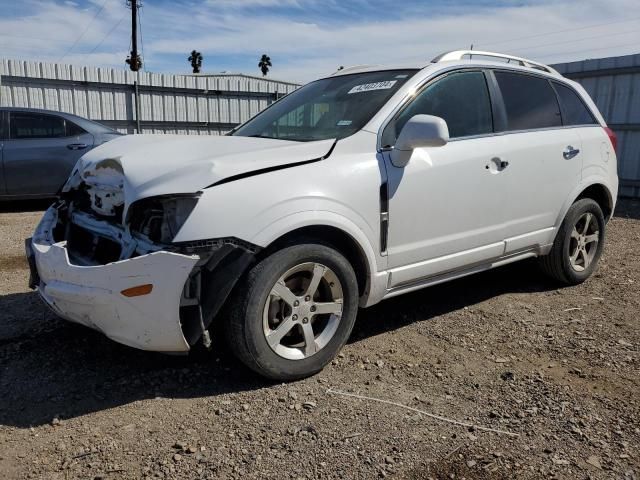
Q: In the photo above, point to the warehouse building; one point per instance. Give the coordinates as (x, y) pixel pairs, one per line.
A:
(141, 102)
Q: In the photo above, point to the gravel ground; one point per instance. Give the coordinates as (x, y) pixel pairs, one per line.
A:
(506, 350)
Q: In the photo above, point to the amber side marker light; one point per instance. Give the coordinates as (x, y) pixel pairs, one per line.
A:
(138, 290)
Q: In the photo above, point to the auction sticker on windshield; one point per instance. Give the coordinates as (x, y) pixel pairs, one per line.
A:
(367, 87)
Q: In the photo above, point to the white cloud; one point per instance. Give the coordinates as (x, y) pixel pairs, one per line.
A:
(235, 32)
(254, 3)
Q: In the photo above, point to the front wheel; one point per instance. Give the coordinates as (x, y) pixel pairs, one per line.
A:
(578, 244)
(293, 312)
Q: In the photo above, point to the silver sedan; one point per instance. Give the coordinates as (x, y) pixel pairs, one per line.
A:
(38, 149)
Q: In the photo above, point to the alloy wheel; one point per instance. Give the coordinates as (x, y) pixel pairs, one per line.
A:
(583, 243)
(303, 311)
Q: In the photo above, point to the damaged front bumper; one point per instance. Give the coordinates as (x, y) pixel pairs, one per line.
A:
(92, 294)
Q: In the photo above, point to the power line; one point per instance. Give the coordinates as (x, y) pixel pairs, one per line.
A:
(85, 31)
(106, 36)
(560, 31)
(590, 50)
(575, 40)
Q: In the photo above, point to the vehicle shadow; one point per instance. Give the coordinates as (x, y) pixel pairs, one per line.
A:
(55, 369)
(19, 206)
(628, 208)
(428, 303)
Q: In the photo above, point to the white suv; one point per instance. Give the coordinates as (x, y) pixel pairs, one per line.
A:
(355, 188)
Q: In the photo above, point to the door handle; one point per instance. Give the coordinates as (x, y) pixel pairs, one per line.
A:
(497, 165)
(77, 146)
(570, 152)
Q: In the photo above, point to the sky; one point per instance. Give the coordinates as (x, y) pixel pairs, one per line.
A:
(307, 39)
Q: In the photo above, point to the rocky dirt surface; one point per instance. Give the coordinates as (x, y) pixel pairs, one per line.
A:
(507, 350)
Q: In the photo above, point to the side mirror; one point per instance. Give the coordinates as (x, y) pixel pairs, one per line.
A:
(420, 131)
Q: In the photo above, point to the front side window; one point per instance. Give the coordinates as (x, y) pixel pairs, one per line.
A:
(574, 111)
(333, 107)
(460, 98)
(33, 125)
(530, 102)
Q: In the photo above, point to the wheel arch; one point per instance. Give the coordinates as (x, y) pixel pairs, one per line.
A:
(602, 195)
(334, 237)
(596, 190)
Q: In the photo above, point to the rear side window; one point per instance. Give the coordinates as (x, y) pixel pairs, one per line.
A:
(74, 130)
(33, 125)
(574, 111)
(530, 102)
(461, 99)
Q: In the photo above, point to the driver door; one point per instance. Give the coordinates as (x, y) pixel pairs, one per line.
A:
(447, 206)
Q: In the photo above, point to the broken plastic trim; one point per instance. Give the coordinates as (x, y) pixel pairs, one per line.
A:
(272, 169)
(211, 282)
(213, 244)
(161, 217)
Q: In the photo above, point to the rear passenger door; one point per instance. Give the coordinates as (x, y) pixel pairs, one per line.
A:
(595, 147)
(41, 152)
(544, 160)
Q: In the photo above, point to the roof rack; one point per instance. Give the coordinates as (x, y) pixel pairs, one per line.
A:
(459, 54)
(353, 67)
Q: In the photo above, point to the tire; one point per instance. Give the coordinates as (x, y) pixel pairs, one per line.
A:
(251, 320)
(559, 263)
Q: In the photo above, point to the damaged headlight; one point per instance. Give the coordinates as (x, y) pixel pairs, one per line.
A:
(160, 218)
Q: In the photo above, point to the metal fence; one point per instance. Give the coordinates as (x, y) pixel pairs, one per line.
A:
(213, 104)
(614, 85)
(141, 102)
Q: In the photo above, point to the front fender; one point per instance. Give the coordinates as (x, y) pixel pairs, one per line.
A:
(298, 220)
(375, 263)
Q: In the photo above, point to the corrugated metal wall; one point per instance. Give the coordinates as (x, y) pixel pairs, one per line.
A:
(181, 104)
(614, 85)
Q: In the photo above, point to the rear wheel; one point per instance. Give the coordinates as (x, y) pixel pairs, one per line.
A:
(293, 312)
(578, 244)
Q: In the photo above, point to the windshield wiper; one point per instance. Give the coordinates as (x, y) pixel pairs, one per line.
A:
(257, 135)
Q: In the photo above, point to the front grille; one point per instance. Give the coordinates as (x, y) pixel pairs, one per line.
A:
(87, 247)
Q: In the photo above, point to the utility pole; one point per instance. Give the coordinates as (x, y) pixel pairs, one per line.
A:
(134, 61)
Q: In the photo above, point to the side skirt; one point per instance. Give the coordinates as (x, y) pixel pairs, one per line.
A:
(463, 272)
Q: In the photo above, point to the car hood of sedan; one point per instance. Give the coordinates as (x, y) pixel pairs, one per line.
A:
(149, 165)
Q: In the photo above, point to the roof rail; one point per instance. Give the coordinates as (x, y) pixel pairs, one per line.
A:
(459, 54)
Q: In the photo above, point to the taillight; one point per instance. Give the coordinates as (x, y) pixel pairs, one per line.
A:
(612, 138)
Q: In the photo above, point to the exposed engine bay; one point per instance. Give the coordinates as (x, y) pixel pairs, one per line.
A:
(91, 223)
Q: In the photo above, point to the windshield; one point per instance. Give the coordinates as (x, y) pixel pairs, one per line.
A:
(329, 108)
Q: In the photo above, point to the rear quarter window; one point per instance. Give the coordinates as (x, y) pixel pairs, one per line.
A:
(574, 111)
(529, 101)
(74, 130)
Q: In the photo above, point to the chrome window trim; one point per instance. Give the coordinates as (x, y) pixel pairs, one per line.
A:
(411, 95)
(457, 68)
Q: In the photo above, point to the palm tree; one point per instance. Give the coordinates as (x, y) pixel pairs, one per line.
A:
(264, 64)
(196, 61)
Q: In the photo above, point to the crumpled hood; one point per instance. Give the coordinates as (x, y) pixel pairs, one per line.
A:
(149, 165)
